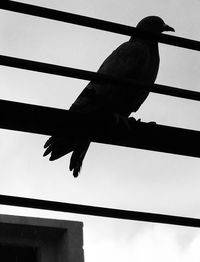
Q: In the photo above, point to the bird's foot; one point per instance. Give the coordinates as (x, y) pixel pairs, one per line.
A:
(152, 123)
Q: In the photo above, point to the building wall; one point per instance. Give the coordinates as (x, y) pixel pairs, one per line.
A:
(56, 240)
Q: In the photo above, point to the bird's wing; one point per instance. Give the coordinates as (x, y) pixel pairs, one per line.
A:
(130, 60)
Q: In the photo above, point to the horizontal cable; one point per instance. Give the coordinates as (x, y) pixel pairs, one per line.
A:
(93, 76)
(99, 128)
(98, 211)
(96, 23)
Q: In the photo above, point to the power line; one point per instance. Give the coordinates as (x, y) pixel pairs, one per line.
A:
(96, 23)
(93, 76)
(98, 211)
(99, 128)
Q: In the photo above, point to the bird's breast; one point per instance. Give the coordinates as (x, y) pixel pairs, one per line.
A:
(148, 67)
(129, 99)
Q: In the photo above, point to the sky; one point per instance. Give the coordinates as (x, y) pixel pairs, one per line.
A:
(112, 176)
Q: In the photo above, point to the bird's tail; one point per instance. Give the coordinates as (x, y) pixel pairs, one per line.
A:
(77, 157)
(60, 146)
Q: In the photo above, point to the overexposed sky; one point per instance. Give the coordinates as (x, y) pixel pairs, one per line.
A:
(111, 176)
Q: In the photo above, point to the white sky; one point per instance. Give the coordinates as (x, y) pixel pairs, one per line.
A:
(111, 176)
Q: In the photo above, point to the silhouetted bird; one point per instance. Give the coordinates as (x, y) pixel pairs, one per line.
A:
(136, 59)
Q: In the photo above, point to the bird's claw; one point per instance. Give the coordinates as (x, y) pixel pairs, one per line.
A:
(152, 123)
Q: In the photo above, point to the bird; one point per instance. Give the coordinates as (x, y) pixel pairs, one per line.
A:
(137, 59)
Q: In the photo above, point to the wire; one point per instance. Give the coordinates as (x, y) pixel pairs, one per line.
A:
(93, 76)
(96, 23)
(105, 129)
(98, 211)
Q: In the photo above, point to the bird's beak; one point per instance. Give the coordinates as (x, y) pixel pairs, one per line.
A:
(168, 28)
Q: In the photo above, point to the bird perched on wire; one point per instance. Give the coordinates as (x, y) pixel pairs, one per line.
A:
(137, 59)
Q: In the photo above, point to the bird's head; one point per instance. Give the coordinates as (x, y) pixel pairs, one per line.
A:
(154, 24)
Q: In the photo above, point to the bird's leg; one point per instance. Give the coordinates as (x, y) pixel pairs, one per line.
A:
(116, 118)
(122, 122)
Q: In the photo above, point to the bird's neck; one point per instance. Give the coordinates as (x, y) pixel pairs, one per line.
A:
(151, 43)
